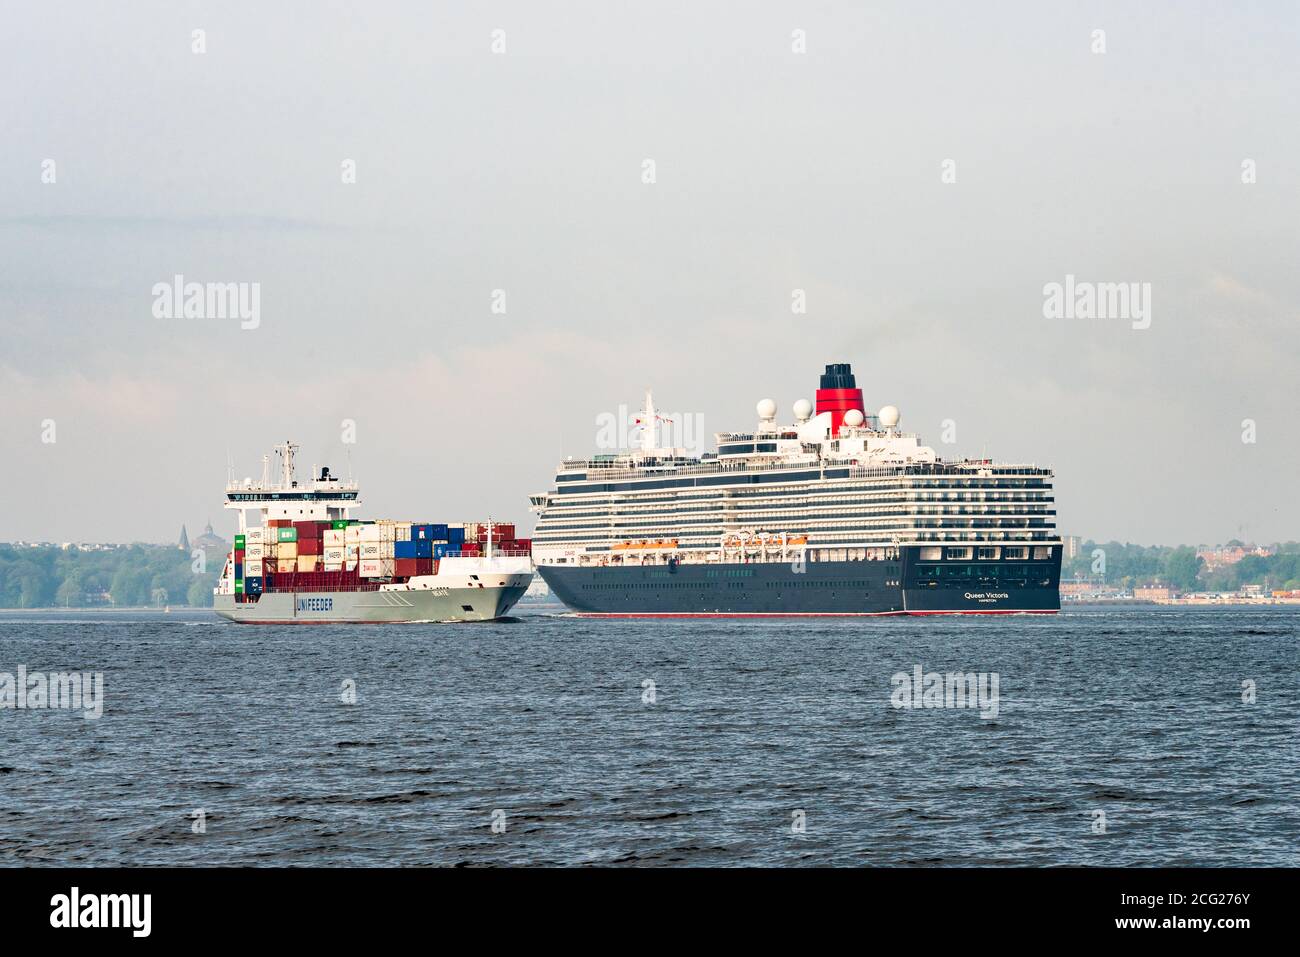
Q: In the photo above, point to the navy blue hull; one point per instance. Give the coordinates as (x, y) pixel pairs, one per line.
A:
(904, 586)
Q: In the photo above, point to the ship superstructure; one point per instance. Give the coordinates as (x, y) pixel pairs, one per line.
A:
(304, 558)
(840, 512)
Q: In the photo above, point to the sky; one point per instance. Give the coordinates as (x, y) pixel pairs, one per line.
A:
(501, 273)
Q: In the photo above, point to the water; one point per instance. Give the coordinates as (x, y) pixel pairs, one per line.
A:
(1134, 713)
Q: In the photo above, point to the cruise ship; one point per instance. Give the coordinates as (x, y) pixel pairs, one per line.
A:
(304, 559)
(839, 513)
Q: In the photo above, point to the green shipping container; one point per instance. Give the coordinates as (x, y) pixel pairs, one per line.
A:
(286, 534)
(339, 523)
(239, 541)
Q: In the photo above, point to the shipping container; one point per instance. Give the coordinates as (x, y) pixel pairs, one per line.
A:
(401, 532)
(377, 568)
(375, 550)
(338, 524)
(289, 534)
(455, 534)
(308, 529)
(253, 568)
(255, 535)
(499, 532)
(406, 567)
(286, 550)
(334, 537)
(332, 566)
(415, 548)
(255, 550)
(334, 554)
(442, 549)
(306, 563)
(309, 546)
(253, 586)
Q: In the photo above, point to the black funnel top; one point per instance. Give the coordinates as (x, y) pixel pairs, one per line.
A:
(838, 376)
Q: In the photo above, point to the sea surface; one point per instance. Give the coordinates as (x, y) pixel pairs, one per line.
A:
(1121, 738)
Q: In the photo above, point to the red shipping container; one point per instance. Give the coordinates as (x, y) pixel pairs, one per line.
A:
(309, 546)
(406, 567)
(469, 550)
(424, 566)
(308, 529)
(500, 533)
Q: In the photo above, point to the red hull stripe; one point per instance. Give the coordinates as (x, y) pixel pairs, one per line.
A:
(796, 614)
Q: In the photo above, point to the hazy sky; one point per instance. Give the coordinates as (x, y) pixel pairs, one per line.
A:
(522, 171)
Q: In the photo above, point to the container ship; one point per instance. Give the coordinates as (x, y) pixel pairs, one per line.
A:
(304, 559)
(840, 513)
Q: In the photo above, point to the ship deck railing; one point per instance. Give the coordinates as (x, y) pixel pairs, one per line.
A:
(607, 470)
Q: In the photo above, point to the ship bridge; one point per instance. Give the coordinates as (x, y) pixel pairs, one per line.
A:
(324, 497)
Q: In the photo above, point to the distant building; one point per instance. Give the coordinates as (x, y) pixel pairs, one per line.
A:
(1153, 593)
(210, 541)
(1222, 555)
(1073, 545)
(184, 543)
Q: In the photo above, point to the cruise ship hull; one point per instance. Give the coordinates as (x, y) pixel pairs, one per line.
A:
(377, 607)
(817, 588)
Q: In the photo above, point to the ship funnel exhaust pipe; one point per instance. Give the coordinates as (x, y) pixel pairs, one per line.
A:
(837, 393)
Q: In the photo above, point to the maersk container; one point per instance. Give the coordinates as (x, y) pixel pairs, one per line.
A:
(289, 534)
(334, 555)
(334, 537)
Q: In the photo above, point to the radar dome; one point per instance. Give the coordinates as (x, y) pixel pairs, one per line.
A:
(853, 418)
(889, 416)
(803, 410)
(766, 409)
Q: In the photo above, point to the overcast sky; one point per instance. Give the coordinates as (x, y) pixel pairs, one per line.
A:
(523, 171)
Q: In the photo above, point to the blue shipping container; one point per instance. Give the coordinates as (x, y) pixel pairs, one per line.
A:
(404, 550)
(253, 586)
(421, 531)
(441, 549)
(456, 535)
(423, 548)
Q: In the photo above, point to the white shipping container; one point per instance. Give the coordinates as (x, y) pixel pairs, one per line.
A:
(252, 568)
(334, 537)
(255, 550)
(369, 533)
(352, 534)
(376, 550)
(377, 568)
(333, 566)
(402, 532)
(286, 550)
(257, 535)
(334, 555)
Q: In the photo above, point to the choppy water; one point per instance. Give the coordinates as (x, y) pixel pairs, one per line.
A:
(1134, 713)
